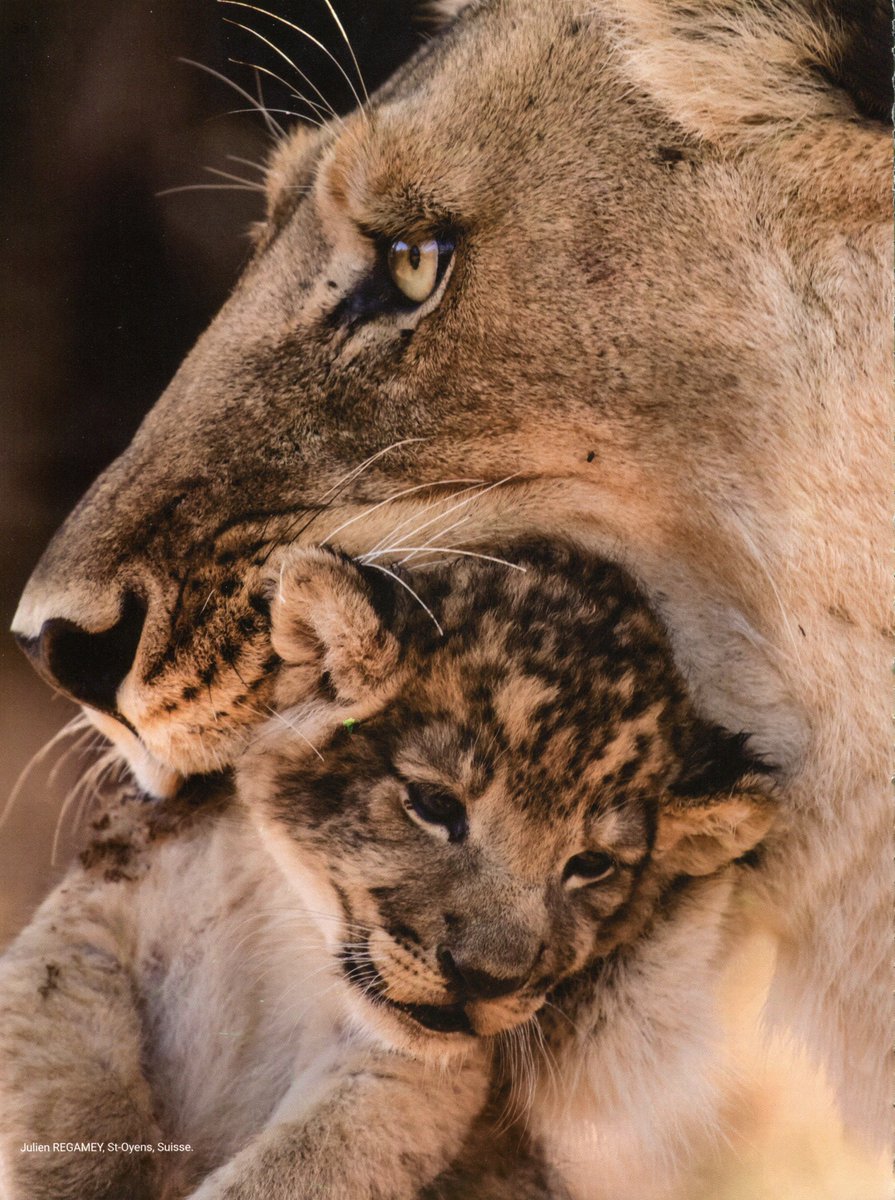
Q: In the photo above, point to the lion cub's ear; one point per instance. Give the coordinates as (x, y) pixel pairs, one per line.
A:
(331, 625)
(699, 838)
(719, 808)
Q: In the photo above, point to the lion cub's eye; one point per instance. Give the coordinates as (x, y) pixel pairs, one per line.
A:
(436, 806)
(416, 267)
(594, 867)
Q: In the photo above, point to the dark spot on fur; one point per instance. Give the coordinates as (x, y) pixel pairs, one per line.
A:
(228, 587)
(591, 455)
(260, 604)
(403, 933)
(670, 154)
(205, 789)
(51, 982)
(189, 693)
(114, 853)
(209, 674)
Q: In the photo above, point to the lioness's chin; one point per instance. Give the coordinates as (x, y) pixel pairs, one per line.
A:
(154, 776)
(161, 761)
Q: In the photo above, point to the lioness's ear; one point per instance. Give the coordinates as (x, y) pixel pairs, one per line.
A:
(738, 71)
(438, 13)
(330, 624)
(805, 84)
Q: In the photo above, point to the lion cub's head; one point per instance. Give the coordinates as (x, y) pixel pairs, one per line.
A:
(497, 779)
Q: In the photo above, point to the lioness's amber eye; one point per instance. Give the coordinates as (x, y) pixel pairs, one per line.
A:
(414, 267)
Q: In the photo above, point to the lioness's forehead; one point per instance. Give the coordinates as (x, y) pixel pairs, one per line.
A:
(444, 137)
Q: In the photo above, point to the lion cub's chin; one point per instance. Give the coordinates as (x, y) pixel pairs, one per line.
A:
(438, 1032)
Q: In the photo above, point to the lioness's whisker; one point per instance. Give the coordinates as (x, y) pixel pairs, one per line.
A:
(89, 739)
(253, 184)
(275, 129)
(396, 496)
(273, 46)
(279, 716)
(316, 42)
(415, 516)
(347, 42)
(321, 115)
(85, 789)
(75, 725)
(464, 553)
(285, 112)
(452, 508)
(439, 536)
(291, 532)
(248, 162)
(416, 595)
(206, 187)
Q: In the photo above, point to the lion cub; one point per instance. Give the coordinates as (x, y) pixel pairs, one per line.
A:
(493, 808)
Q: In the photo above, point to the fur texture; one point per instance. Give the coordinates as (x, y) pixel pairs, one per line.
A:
(666, 324)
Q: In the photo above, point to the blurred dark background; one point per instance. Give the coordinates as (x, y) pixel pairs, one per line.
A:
(105, 284)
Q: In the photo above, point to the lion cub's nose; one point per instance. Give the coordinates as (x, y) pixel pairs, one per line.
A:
(472, 981)
(89, 667)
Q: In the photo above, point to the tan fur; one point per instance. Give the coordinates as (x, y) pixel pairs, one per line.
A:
(667, 319)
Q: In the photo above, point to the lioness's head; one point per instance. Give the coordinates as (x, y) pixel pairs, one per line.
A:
(487, 778)
(629, 258)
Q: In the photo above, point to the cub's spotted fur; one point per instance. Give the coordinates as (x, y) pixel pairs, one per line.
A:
(500, 826)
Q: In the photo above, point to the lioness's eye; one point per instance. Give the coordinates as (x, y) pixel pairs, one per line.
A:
(589, 868)
(416, 267)
(436, 806)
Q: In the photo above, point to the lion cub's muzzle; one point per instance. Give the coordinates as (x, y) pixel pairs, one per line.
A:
(474, 999)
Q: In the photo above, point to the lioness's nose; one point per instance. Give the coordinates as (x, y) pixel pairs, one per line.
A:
(89, 667)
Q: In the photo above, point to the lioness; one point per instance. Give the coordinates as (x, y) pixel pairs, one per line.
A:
(633, 259)
(491, 804)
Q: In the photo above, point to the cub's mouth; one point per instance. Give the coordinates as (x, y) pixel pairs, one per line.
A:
(466, 1017)
(437, 1018)
(364, 976)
